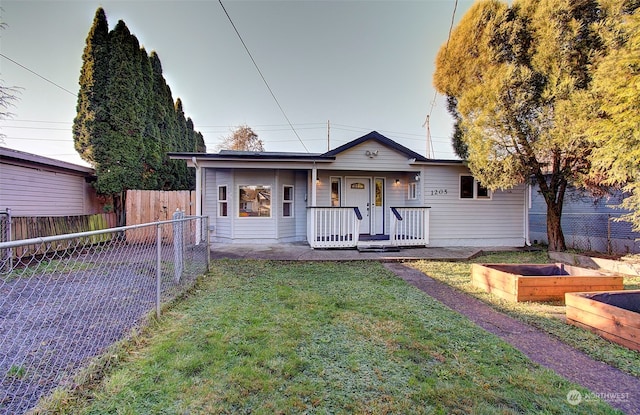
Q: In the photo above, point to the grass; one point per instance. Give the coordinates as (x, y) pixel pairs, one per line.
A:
(546, 316)
(275, 337)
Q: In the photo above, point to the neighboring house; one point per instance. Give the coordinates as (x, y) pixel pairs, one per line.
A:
(369, 188)
(588, 223)
(32, 185)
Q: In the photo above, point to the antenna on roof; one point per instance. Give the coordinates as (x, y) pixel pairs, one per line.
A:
(328, 135)
(429, 144)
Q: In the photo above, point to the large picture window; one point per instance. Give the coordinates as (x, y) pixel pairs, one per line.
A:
(470, 188)
(254, 201)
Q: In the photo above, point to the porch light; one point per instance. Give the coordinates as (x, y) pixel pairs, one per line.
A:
(397, 181)
(417, 177)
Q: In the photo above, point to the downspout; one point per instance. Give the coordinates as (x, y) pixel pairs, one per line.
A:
(198, 197)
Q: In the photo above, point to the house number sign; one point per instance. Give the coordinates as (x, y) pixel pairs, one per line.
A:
(357, 185)
(438, 192)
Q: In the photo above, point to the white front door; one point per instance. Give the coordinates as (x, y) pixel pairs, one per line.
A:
(358, 193)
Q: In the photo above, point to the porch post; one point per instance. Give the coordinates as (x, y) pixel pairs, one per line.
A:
(314, 181)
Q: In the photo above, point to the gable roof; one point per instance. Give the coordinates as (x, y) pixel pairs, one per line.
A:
(236, 155)
(376, 136)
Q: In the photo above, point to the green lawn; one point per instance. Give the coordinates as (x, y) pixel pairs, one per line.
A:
(546, 316)
(266, 337)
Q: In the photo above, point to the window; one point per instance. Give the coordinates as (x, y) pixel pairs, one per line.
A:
(336, 189)
(470, 188)
(481, 191)
(287, 201)
(222, 201)
(413, 191)
(379, 192)
(254, 201)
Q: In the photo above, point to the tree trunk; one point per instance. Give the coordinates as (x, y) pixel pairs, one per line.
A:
(119, 208)
(554, 227)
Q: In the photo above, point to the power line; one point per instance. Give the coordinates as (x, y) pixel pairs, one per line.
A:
(38, 75)
(435, 94)
(262, 76)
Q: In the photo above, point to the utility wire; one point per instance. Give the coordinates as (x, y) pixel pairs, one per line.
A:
(38, 75)
(262, 76)
(435, 94)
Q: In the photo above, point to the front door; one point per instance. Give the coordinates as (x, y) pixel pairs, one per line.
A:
(358, 193)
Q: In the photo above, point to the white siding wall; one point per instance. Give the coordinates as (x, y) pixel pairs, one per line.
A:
(301, 203)
(471, 222)
(386, 160)
(499, 221)
(396, 195)
(236, 229)
(286, 227)
(43, 192)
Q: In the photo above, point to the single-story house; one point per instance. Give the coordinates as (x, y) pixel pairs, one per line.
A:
(32, 185)
(371, 188)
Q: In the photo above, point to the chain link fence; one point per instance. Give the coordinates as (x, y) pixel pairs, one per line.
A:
(64, 300)
(598, 232)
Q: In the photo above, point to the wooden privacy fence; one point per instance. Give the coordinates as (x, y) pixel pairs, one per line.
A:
(146, 206)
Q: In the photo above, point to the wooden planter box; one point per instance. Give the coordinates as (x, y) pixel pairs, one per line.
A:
(540, 282)
(613, 315)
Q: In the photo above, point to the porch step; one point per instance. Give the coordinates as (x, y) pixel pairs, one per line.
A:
(378, 248)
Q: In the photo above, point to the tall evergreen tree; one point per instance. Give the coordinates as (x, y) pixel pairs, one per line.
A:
(181, 143)
(163, 119)
(126, 120)
(90, 124)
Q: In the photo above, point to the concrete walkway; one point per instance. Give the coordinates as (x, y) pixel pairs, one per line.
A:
(302, 252)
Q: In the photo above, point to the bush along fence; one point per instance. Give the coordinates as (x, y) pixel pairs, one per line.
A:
(61, 309)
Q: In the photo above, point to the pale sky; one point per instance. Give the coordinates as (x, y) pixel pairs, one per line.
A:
(361, 65)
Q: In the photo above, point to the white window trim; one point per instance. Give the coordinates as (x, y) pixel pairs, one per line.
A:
(221, 201)
(290, 201)
(412, 191)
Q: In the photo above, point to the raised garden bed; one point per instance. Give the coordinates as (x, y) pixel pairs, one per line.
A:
(613, 315)
(540, 282)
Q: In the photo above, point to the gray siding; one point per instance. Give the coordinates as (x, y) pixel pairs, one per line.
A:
(41, 191)
(386, 159)
(236, 229)
(471, 222)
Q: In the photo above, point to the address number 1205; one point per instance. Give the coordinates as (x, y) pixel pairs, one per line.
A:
(438, 192)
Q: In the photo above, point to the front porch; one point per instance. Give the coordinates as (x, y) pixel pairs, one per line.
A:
(339, 227)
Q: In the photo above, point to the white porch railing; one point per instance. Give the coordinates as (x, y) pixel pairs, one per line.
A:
(409, 226)
(333, 227)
